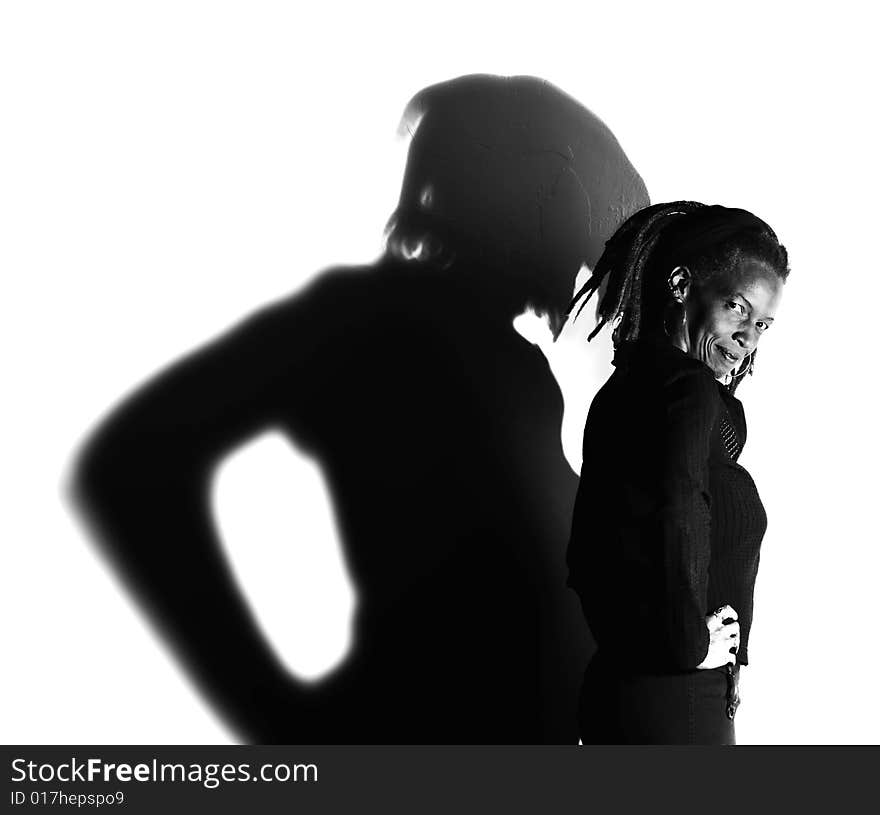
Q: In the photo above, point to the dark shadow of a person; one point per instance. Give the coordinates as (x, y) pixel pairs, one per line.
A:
(435, 425)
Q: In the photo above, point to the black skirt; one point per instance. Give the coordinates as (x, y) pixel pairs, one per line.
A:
(690, 707)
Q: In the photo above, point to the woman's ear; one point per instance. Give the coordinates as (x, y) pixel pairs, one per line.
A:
(679, 282)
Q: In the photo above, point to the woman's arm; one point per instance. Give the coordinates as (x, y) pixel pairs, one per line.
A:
(142, 482)
(691, 407)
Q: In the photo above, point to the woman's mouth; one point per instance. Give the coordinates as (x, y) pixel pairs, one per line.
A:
(727, 355)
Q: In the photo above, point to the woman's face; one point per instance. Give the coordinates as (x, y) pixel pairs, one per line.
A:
(727, 316)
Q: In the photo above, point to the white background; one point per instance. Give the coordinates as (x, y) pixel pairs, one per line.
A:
(167, 167)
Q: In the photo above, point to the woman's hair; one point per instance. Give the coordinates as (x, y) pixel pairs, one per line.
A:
(711, 241)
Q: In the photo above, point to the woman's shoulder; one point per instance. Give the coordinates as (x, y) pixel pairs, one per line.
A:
(665, 365)
(656, 382)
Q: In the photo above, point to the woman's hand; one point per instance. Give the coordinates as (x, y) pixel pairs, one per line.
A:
(723, 638)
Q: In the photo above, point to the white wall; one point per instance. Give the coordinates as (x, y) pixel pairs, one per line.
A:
(166, 167)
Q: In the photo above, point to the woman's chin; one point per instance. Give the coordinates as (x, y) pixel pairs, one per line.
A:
(717, 371)
(720, 373)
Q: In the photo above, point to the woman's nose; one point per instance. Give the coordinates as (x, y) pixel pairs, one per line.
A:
(747, 338)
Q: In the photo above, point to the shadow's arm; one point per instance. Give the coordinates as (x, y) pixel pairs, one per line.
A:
(141, 482)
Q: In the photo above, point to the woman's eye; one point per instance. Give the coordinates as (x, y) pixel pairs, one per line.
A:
(737, 307)
(762, 326)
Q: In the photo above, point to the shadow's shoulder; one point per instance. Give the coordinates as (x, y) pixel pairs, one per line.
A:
(328, 291)
(340, 297)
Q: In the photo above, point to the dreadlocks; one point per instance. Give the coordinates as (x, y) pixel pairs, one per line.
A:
(710, 240)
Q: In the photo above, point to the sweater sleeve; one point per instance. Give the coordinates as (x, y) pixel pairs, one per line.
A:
(691, 403)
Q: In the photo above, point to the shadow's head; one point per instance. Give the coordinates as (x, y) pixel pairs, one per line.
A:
(514, 181)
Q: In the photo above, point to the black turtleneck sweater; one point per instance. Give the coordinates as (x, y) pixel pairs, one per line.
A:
(667, 526)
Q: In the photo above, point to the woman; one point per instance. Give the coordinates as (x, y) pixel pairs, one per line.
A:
(667, 525)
